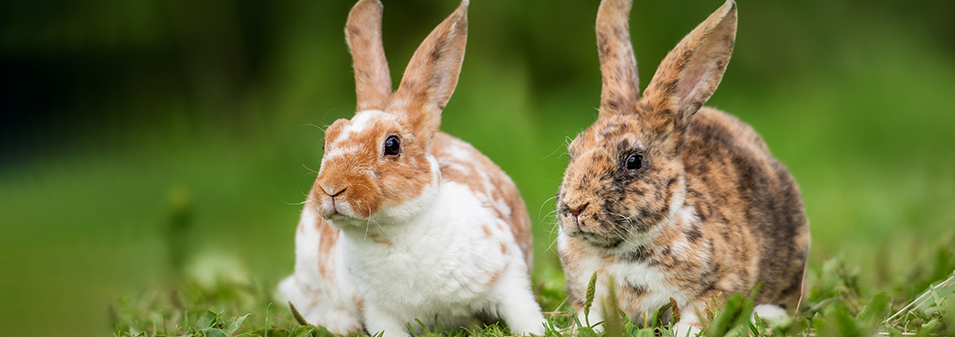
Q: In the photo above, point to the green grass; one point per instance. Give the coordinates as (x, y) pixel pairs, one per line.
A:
(216, 301)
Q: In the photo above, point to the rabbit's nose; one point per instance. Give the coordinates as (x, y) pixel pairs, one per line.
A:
(334, 191)
(575, 211)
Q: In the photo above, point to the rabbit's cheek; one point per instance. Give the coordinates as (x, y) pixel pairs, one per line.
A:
(363, 199)
(345, 208)
(405, 181)
(569, 226)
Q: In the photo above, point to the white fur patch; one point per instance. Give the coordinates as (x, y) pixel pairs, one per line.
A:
(319, 299)
(449, 240)
(361, 120)
(461, 153)
(685, 327)
(334, 151)
(641, 274)
(770, 311)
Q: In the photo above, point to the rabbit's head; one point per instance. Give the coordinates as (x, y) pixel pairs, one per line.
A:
(626, 174)
(376, 167)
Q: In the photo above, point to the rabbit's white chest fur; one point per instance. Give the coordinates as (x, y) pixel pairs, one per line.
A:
(439, 263)
(625, 273)
(654, 279)
(453, 262)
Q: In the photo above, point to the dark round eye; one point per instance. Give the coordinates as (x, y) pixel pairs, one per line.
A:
(635, 162)
(392, 146)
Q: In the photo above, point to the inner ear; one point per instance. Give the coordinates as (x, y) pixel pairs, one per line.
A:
(432, 75)
(690, 73)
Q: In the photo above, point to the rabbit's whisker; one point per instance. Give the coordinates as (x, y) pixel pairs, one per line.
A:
(541, 209)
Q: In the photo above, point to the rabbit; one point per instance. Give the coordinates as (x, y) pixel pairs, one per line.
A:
(405, 222)
(670, 199)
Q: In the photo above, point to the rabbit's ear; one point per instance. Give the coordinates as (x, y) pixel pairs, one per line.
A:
(691, 72)
(432, 74)
(372, 77)
(618, 67)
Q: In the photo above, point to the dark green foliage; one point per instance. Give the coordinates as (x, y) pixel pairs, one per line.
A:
(731, 313)
(874, 311)
(613, 323)
(298, 316)
(949, 317)
(589, 298)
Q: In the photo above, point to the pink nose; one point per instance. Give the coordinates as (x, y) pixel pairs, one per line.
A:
(575, 212)
(333, 191)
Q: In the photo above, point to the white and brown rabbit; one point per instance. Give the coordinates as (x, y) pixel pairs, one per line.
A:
(405, 222)
(671, 199)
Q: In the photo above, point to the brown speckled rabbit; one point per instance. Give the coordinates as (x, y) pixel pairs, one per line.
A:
(672, 199)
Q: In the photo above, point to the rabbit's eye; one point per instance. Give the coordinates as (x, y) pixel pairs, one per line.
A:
(635, 162)
(392, 146)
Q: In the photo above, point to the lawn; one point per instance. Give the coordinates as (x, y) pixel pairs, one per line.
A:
(835, 306)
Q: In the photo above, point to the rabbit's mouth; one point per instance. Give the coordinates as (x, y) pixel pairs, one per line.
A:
(597, 240)
(580, 231)
(331, 208)
(345, 222)
(597, 227)
(339, 211)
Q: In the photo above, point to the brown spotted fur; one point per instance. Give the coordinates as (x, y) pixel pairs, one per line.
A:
(500, 187)
(746, 223)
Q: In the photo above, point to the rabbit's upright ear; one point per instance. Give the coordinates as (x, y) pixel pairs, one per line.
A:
(372, 77)
(618, 67)
(432, 74)
(690, 73)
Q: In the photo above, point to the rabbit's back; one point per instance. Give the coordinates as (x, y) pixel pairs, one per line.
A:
(748, 202)
(461, 163)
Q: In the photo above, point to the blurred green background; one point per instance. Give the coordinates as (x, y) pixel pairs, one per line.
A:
(135, 133)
